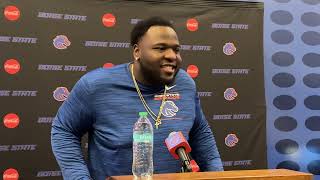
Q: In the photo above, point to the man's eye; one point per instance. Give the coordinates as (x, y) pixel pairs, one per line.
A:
(160, 48)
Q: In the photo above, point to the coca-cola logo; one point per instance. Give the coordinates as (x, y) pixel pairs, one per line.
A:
(192, 24)
(193, 71)
(11, 120)
(10, 174)
(11, 66)
(12, 13)
(108, 65)
(108, 20)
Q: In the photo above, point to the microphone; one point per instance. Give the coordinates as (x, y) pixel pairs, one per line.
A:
(179, 148)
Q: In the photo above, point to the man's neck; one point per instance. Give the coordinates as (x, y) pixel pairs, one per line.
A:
(139, 76)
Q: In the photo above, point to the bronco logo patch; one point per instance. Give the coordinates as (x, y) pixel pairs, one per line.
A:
(169, 109)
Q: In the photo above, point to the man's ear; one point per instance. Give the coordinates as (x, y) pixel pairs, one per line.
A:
(136, 52)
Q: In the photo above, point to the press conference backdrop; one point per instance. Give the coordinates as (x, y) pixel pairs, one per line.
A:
(46, 46)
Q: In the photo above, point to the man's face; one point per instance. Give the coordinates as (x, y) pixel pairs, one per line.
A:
(159, 55)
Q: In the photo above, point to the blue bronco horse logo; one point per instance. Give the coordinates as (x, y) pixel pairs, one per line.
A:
(169, 109)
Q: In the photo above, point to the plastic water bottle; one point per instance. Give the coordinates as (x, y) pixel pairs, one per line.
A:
(142, 165)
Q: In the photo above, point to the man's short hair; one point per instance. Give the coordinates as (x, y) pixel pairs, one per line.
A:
(143, 26)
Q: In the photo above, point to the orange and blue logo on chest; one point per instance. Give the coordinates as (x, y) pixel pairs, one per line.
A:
(170, 109)
(169, 96)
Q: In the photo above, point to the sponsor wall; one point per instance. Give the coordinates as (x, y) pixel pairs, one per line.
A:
(47, 46)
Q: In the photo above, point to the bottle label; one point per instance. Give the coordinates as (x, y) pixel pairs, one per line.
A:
(146, 137)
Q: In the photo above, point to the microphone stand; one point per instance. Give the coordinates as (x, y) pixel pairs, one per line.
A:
(185, 160)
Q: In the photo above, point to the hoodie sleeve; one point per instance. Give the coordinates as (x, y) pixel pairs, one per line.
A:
(203, 144)
(73, 120)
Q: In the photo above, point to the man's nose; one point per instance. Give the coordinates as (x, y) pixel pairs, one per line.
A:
(170, 54)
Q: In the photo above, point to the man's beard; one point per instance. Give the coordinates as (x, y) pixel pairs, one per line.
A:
(154, 78)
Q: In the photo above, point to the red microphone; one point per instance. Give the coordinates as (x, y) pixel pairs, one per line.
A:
(179, 148)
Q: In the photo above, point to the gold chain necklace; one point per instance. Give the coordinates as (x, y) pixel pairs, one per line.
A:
(157, 119)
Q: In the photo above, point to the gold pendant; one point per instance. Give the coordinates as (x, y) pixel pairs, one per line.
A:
(158, 122)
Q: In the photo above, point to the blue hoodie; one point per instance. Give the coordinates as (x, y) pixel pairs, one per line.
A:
(105, 103)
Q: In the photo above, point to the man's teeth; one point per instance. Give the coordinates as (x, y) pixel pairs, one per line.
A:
(172, 67)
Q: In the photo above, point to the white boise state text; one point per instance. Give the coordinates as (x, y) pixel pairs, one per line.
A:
(195, 48)
(48, 173)
(17, 93)
(27, 40)
(45, 119)
(48, 67)
(230, 71)
(204, 94)
(135, 21)
(62, 16)
(18, 147)
(231, 116)
(237, 163)
(229, 26)
(107, 44)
